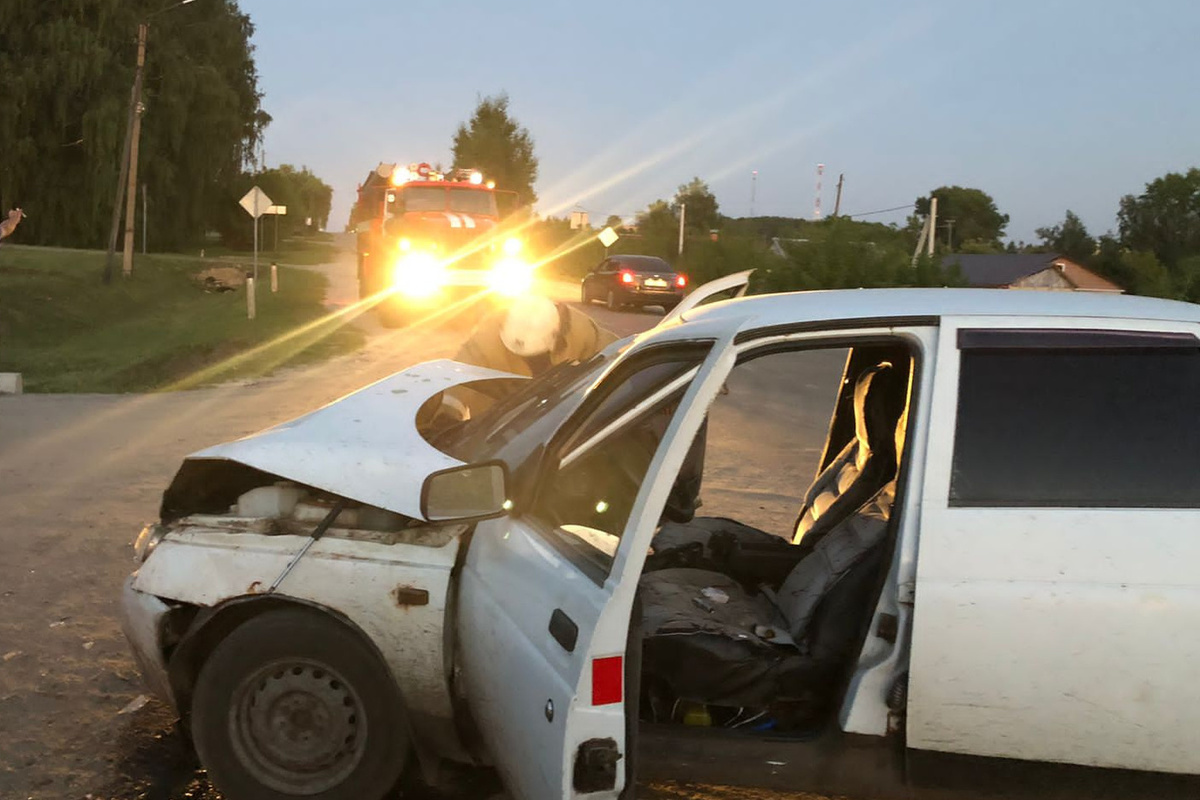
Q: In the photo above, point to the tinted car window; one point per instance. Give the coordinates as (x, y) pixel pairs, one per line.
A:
(1078, 428)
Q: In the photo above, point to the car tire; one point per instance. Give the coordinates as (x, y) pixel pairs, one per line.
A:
(584, 297)
(294, 704)
(612, 303)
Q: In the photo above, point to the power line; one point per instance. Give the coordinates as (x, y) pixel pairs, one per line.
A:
(881, 211)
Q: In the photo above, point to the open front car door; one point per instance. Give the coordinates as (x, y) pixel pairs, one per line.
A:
(546, 593)
(735, 285)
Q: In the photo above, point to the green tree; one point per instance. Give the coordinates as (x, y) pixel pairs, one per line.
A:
(658, 231)
(1069, 238)
(304, 194)
(493, 142)
(1138, 272)
(702, 212)
(67, 76)
(1165, 218)
(974, 214)
(614, 222)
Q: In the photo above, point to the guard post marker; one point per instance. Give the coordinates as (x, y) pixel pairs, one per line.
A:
(274, 277)
(249, 297)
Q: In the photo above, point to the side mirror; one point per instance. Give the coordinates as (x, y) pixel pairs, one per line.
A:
(469, 492)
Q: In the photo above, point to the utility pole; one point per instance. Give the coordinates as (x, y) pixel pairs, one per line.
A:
(932, 223)
(817, 201)
(949, 234)
(131, 193)
(753, 189)
(116, 214)
(682, 217)
(928, 233)
(145, 221)
(837, 203)
(127, 178)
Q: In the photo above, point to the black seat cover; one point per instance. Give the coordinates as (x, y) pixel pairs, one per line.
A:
(712, 641)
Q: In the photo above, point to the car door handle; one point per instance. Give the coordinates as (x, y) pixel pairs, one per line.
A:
(564, 630)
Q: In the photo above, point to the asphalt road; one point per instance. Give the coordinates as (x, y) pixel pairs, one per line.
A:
(79, 474)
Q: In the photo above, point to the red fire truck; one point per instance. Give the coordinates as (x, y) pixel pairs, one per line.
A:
(426, 239)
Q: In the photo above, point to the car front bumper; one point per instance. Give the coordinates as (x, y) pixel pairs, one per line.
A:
(142, 619)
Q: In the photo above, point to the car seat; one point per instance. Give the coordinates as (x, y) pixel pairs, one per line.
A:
(709, 639)
(858, 472)
(725, 636)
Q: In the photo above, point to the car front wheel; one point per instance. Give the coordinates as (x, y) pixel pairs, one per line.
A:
(612, 303)
(294, 704)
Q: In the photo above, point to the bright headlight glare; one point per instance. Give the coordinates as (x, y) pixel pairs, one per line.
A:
(511, 277)
(405, 245)
(512, 246)
(418, 275)
(147, 540)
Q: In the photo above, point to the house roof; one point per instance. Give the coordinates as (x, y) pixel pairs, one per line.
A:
(998, 269)
(1005, 269)
(1086, 279)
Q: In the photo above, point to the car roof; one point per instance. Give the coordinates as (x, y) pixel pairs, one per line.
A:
(911, 304)
(643, 262)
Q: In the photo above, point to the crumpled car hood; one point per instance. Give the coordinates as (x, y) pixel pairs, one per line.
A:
(364, 447)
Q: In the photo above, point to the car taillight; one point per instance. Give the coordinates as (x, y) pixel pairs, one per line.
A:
(681, 281)
(626, 276)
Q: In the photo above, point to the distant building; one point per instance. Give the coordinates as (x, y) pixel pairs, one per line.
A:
(1028, 271)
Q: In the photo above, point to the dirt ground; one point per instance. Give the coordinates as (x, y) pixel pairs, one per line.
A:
(79, 475)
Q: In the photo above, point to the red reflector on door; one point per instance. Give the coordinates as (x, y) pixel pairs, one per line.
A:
(607, 677)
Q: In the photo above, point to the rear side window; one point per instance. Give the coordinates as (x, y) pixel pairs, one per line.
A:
(1077, 419)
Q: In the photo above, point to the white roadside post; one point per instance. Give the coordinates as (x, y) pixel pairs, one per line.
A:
(256, 204)
(277, 212)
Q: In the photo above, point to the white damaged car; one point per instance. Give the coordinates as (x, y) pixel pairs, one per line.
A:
(948, 538)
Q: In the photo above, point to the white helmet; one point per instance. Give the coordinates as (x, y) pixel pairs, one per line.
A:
(531, 326)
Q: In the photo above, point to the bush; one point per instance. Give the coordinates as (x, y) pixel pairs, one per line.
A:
(834, 254)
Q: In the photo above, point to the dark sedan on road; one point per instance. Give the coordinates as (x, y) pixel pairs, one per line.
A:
(634, 281)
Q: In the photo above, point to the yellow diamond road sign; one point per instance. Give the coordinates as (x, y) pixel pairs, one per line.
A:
(256, 202)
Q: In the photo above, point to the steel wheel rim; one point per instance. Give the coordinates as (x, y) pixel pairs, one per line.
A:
(298, 726)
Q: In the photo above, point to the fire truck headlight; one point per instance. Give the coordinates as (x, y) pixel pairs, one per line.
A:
(511, 277)
(476, 178)
(512, 246)
(405, 245)
(418, 275)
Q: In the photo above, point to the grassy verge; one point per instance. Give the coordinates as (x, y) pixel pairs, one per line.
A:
(306, 250)
(160, 329)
